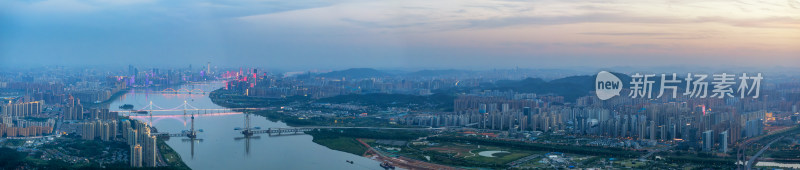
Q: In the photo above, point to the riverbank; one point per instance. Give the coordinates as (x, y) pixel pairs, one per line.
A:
(221, 146)
(401, 147)
(298, 113)
(358, 143)
(344, 144)
(400, 161)
(170, 157)
(106, 103)
(344, 140)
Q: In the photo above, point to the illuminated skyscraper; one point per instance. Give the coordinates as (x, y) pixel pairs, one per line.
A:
(136, 156)
(132, 135)
(149, 154)
(21, 109)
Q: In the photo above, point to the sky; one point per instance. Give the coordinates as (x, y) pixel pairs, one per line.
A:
(334, 34)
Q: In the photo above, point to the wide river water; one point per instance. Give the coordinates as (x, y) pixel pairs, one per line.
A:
(222, 147)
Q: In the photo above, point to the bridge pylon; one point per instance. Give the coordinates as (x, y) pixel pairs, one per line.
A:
(192, 133)
(150, 112)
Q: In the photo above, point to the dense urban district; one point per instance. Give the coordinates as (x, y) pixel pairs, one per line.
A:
(58, 117)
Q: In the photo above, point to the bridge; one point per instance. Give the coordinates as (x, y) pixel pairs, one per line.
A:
(146, 112)
(653, 151)
(299, 130)
(181, 91)
(191, 136)
(283, 131)
(248, 131)
(150, 108)
(171, 91)
(752, 160)
(180, 110)
(191, 133)
(742, 161)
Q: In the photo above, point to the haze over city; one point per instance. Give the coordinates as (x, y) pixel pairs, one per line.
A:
(399, 84)
(308, 34)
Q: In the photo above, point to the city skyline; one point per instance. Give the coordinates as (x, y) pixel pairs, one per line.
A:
(147, 117)
(408, 84)
(301, 35)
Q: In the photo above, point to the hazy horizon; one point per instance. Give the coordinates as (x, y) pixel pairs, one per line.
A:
(334, 35)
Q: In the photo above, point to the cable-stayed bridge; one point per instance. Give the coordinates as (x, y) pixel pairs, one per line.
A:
(185, 107)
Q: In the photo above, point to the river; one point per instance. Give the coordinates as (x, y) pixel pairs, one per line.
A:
(221, 146)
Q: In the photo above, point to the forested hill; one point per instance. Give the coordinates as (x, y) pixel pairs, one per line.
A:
(355, 73)
(570, 87)
(442, 102)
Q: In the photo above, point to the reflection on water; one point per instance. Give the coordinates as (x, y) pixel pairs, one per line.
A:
(219, 146)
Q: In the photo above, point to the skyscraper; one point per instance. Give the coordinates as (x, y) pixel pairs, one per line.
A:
(73, 110)
(106, 132)
(723, 142)
(526, 112)
(708, 140)
(136, 156)
(21, 109)
(149, 157)
(652, 130)
(753, 128)
(88, 131)
(132, 135)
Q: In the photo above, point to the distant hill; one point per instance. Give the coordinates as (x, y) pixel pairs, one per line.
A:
(570, 87)
(355, 73)
(432, 73)
(439, 101)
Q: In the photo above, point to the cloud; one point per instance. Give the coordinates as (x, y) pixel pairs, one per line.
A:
(311, 33)
(764, 22)
(628, 33)
(560, 20)
(794, 4)
(54, 6)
